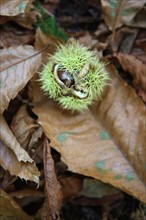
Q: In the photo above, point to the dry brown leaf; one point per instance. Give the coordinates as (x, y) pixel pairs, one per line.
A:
(23, 127)
(123, 40)
(53, 189)
(29, 133)
(45, 211)
(26, 20)
(8, 138)
(88, 40)
(18, 65)
(139, 53)
(11, 36)
(15, 7)
(117, 13)
(140, 19)
(71, 187)
(27, 192)
(137, 69)
(9, 161)
(107, 142)
(9, 209)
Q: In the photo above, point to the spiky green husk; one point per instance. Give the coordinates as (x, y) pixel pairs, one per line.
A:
(48, 82)
(73, 103)
(73, 57)
(96, 80)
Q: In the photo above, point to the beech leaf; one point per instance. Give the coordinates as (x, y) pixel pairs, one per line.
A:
(8, 138)
(137, 69)
(116, 13)
(24, 128)
(17, 67)
(9, 161)
(107, 142)
(14, 7)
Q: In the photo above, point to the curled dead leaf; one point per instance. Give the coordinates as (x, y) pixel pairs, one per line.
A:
(53, 188)
(24, 170)
(8, 138)
(18, 65)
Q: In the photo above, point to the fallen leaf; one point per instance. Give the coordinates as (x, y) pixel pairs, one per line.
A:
(88, 40)
(106, 142)
(141, 43)
(26, 20)
(53, 188)
(140, 19)
(24, 170)
(8, 138)
(28, 133)
(45, 211)
(139, 54)
(27, 192)
(117, 13)
(23, 127)
(9, 209)
(137, 69)
(18, 65)
(11, 36)
(124, 39)
(70, 187)
(15, 7)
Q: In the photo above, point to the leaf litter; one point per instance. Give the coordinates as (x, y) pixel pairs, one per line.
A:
(106, 142)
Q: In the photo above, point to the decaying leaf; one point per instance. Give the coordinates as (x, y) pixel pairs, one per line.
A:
(14, 158)
(117, 13)
(18, 65)
(107, 142)
(53, 189)
(24, 170)
(9, 209)
(26, 20)
(15, 7)
(140, 19)
(23, 127)
(11, 36)
(137, 69)
(71, 187)
(124, 39)
(8, 138)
